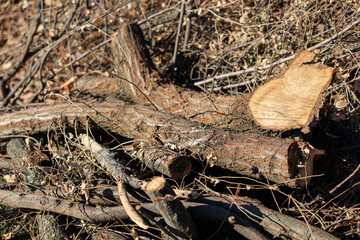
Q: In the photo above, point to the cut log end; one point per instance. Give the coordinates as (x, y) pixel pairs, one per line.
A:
(156, 184)
(292, 99)
(179, 167)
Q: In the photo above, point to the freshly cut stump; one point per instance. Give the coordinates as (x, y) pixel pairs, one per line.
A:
(291, 100)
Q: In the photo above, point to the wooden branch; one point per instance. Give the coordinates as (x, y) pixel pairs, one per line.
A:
(174, 213)
(61, 206)
(280, 160)
(107, 161)
(275, 223)
(170, 163)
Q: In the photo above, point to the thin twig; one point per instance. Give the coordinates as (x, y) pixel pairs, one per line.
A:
(82, 56)
(345, 180)
(68, 21)
(106, 160)
(26, 79)
(253, 69)
(157, 14)
(32, 31)
(178, 32)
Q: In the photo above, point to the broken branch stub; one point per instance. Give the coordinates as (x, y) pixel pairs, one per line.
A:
(292, 99)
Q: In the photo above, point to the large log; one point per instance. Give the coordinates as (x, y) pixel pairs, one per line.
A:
(283, 161)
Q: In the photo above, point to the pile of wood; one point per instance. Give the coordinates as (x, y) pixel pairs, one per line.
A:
(173, 126)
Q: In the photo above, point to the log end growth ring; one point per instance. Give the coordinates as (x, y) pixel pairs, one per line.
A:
(292, 99)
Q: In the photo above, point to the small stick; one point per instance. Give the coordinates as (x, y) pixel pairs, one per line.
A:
(158, 14)
(32, 31)
(345, 180)
(68, 21)
(83, 55)
(178, 31)
(106, 160)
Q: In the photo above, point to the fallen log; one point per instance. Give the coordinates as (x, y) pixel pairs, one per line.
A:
(284, 161)
(286, 101)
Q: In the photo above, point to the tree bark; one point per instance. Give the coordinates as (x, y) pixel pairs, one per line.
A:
(280, 160)
(139, 81)
(170, 163)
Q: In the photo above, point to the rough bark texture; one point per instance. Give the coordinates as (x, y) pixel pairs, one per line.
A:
(292, 99)
(279, 160)
(170, 163)
(139, 81)
(175, 215)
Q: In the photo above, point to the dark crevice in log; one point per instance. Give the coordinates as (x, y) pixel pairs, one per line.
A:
(175, 214)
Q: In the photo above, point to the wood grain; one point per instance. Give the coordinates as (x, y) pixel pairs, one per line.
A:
(291, 100)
